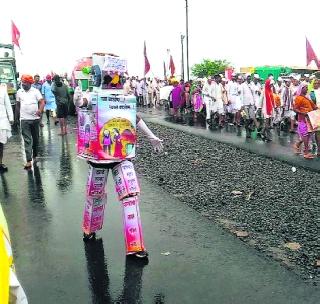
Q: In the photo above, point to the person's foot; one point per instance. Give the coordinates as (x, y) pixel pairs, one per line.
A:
(41, 125)
(28, 165)
(56, 122)
(308, 156)
(140, 254)
(292, 131)
(3, 168)
(296, 148)
(89, 237)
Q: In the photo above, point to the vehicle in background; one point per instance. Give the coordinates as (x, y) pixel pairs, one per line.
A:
(8, 72)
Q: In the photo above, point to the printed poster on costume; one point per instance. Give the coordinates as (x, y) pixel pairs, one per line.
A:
(87, 132)
(116, 127)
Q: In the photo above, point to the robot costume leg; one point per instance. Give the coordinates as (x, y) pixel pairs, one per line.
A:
(128, 189)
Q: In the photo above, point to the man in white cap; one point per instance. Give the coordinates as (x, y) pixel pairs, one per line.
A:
(295, 84)
(217, 91)
(207, 98)
(225, 98)
(257, 93)
(278, 86)
(257, 90)
(233, 93)
(248, 105)
(307, 78)
(277, 111)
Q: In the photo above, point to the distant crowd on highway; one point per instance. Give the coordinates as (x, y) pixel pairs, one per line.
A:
(245, 101)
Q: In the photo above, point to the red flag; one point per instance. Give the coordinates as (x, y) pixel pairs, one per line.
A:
(171, 66)
(146, 61)
(15, 34)
(311, 55)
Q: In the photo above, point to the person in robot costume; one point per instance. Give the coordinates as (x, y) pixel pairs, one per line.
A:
(129, 197)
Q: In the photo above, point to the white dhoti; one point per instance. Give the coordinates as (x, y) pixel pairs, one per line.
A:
(217, 107)
(236, 104)
(209, 106)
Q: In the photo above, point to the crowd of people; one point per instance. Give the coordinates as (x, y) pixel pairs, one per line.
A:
(33, 98)
(245, 101)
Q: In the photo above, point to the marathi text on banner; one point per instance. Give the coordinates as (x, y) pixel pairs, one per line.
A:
(115, 64)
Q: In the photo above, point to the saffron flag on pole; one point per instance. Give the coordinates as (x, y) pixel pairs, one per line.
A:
(15, 34)
(146, 61)
(171, 66)
(311, 55)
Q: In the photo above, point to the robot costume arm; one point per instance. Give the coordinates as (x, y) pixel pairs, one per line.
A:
(154, 140)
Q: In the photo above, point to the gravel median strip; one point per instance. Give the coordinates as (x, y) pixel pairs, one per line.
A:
(261, 201)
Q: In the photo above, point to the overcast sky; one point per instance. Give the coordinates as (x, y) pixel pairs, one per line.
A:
(247, 33)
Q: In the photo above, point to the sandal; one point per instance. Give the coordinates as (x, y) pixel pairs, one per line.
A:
(308, 156)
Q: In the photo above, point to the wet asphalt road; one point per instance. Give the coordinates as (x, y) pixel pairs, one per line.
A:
(191, 260)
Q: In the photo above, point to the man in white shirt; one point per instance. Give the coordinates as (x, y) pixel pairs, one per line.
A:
(150, 91)
(30, 105)
(257, 93)
(139, 93)
(278, 86)
(127, 90)
(207, 98)
(248, 105)
(217, 90)
(156, 87)
(287, 104)
(234, 97)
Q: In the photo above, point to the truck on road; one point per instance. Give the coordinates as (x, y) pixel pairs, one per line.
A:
(8, 71)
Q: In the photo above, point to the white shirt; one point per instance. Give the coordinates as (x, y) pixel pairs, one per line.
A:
(139, 88)
(150, 88)
(218, 91)
(29, 103)
(127, 88)
(257, 91)
(6, 114)
(247, 94)
(278, 88)
(206, 91)
(213, 90)
(134, 84)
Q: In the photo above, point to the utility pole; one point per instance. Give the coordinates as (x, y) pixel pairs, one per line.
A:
(182, 57)
(187, 39)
